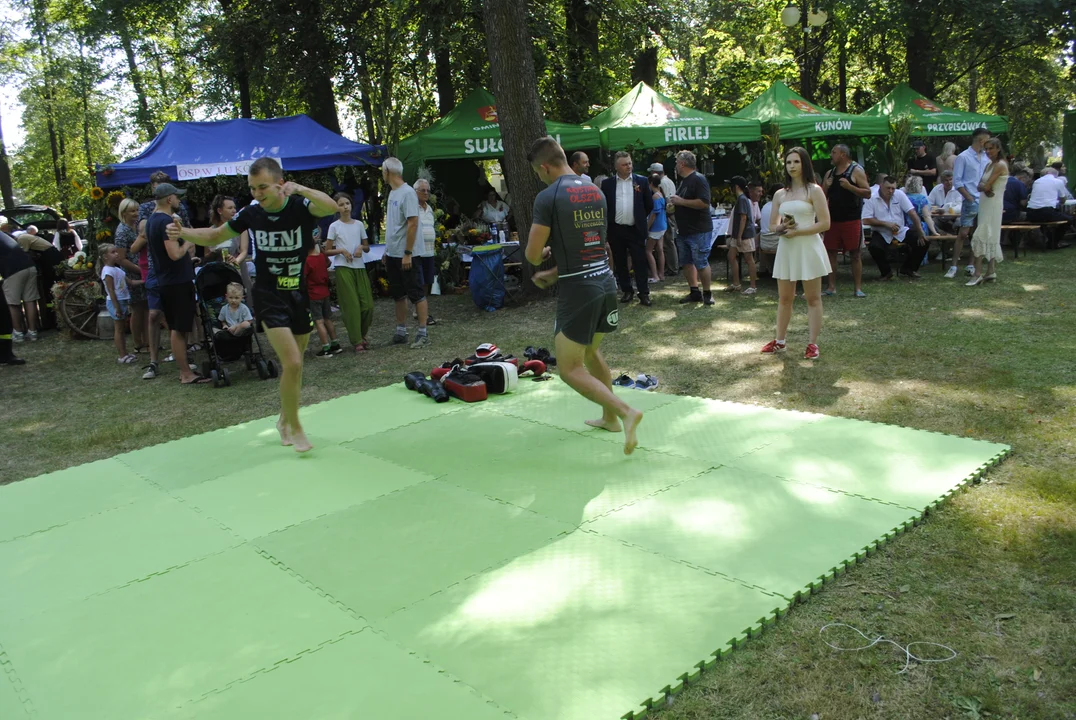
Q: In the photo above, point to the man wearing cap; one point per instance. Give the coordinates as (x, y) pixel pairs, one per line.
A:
(668, 189)
(741, 237)
(153, 298)
(923, 165)
(174, 271)
(630, 202)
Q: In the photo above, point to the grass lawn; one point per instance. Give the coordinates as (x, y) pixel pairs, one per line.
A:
(991, 574)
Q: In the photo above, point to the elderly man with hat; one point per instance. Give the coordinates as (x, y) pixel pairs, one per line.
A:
(668, 189)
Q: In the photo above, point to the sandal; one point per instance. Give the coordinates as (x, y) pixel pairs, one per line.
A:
(732, 288)
(126, 359)
(194, 348)
(198, 380)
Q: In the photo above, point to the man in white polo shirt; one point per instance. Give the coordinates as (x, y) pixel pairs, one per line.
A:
(884, 215)
(1046, 193)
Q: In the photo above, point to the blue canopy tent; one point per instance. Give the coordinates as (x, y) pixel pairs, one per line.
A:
(194, 150)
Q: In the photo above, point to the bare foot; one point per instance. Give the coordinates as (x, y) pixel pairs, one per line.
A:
(300, 442)
(610, 425)
(285, 436)
(631, 422)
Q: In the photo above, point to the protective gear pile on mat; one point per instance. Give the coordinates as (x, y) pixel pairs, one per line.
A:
(487, 372)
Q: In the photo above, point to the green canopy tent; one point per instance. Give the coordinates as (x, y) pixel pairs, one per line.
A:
(644, 118)
(471, 131)
(931, 119)
(778, 108)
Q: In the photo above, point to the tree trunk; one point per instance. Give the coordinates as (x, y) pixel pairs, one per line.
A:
(919, 49)
(315, 73)
(142, 116)
(446, 91)
(363, 72)
(581, 19)
(645, 68)
(973, 90)
(239, 65)
(511, 63)
(5, 175)
(39, 12)
(84, 91)
(842, 73)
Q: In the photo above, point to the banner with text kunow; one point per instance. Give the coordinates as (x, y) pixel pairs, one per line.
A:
(780, 109)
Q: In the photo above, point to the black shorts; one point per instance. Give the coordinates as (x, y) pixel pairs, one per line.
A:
(427, 269)
(283, 309)
(404, 283)
(178, 304)
(586, 307)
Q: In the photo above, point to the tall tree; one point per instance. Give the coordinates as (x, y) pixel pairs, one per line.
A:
(518, 109)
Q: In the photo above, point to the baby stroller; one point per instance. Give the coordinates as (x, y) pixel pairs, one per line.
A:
(211, 284)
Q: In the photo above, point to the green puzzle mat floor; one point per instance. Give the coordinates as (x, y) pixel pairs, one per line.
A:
(497, 560)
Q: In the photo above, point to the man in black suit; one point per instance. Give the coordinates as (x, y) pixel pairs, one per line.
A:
(630, 203)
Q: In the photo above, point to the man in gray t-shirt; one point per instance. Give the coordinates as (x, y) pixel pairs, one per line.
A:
(741, 237)
(403, 205)
(401, 234)
(570, 215)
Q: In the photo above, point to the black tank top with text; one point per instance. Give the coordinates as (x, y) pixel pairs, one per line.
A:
(844, 205)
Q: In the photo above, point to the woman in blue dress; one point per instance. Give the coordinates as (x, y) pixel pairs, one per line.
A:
(657, 223)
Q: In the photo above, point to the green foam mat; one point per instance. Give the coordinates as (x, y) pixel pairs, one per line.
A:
(494, 560)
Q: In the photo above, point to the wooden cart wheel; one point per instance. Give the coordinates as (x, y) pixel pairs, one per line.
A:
(80, 305)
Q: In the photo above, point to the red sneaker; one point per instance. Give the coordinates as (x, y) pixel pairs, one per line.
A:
(772, 347)
(812, 352)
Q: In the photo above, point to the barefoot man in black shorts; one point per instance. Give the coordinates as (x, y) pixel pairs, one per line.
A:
(570, 215)
(282, 225)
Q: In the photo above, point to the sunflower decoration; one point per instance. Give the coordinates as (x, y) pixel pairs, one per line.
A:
(115, 198)
(75, 184)
(103, 235)
(97, 193)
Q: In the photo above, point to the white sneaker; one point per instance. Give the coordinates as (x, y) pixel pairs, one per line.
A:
(17, 336)
(31, 335)
(951, 272)
(969, 269)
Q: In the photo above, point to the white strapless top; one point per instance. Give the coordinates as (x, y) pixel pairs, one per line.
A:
(802, 210)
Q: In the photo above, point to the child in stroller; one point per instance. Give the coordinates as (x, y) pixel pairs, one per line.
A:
(229, 323)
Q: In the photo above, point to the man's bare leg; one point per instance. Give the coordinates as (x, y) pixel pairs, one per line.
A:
(571, 358)
(595, 364)
(289, 349)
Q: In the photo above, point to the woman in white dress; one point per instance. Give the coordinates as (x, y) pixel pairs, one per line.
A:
(799, 216)
(986, 242)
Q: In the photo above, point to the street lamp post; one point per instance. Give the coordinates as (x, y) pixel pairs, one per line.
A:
(792, 16)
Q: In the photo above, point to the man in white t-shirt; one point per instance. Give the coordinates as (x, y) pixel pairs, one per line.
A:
(427, 230)
(1042, 205)
(884, 215)
(944, 193)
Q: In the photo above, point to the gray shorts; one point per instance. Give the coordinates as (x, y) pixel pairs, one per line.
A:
(587, 307)
(321, 309)
(21, 287)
